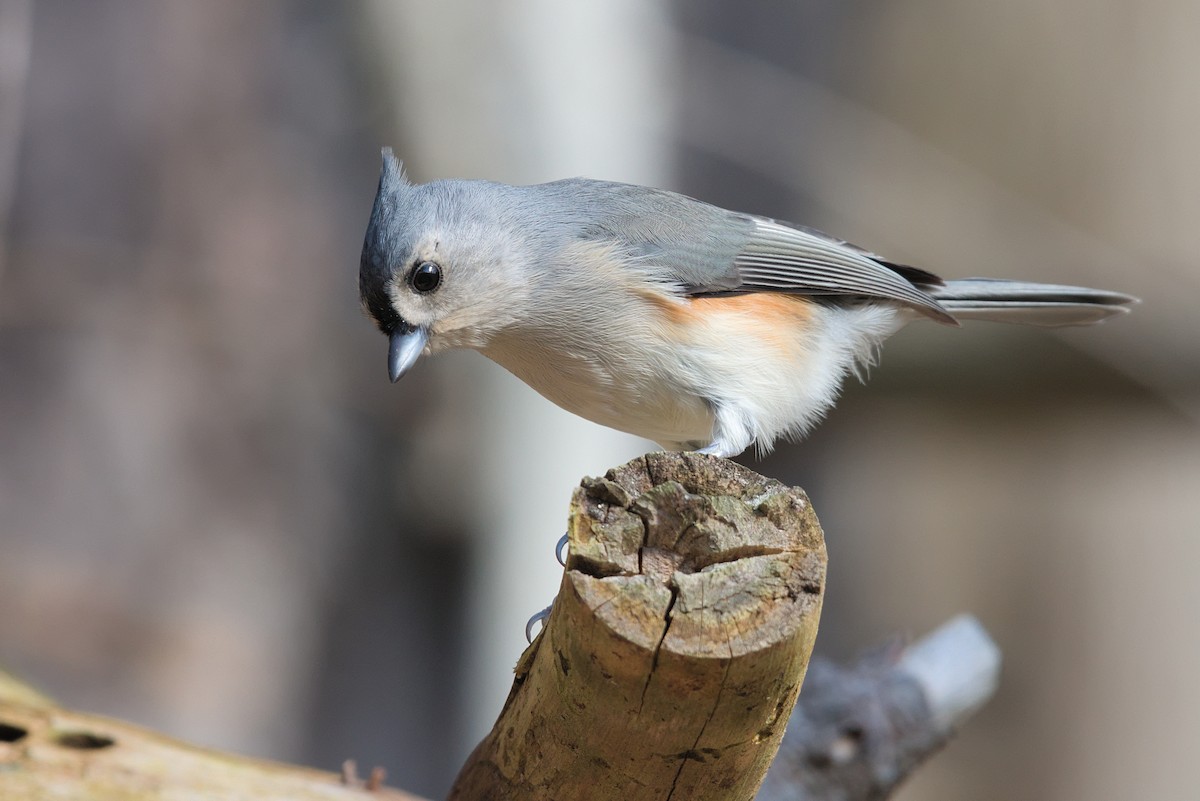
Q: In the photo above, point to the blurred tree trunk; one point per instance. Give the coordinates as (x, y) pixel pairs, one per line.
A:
(195, 458)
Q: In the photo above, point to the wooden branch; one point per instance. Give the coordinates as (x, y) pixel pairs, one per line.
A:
(860, 730)
(676, 647)
(50, 752)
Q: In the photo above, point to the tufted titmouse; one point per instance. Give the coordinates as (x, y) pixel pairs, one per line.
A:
(653, 313)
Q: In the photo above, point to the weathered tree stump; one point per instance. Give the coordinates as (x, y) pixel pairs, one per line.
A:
(677, 644)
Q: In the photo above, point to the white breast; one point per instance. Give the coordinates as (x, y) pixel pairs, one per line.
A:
(663, 373)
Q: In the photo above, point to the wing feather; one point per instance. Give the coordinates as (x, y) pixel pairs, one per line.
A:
(706, 250)
(780, 258)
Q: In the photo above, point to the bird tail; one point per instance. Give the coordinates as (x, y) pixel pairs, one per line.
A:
(1049, 305)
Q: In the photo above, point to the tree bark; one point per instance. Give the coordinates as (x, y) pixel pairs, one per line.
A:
(677, 644)
(860, 730)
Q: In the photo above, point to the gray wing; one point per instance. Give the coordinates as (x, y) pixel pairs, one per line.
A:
(711, 251)
(784, 258)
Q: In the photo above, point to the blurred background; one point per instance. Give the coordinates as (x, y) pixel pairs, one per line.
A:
(217, 518)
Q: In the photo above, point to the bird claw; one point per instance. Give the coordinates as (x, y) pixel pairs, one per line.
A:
(559, 548)
(540, 617)
(559, 554)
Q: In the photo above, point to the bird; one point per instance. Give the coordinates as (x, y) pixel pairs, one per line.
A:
(654, 313)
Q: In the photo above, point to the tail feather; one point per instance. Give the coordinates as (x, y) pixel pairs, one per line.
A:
(1049, 305)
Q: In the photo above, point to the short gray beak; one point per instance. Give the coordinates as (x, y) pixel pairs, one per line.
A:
(406, 344)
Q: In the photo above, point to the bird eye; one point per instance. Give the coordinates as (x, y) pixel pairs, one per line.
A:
(425, 277)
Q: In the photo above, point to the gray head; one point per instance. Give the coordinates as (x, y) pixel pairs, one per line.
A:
(439, 263)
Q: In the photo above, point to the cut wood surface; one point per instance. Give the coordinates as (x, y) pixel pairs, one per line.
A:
(677, 644)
